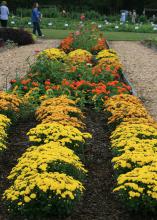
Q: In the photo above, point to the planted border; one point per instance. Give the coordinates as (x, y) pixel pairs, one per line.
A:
(58, 85)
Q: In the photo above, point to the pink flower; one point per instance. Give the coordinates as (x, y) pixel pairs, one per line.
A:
(77, 33)
(36, 51)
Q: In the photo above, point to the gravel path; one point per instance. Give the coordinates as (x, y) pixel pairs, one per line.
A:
(16, 61)
(140, 65)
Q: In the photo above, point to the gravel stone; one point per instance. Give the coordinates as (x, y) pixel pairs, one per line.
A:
(15, 62)
(140, 65)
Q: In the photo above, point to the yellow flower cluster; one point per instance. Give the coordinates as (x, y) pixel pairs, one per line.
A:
(60, 109)
(26, 189)
(134, 144)
(110, 62)
(140, 183)
(46, 158)
(69, 135)
(9, 102)
(79, 56)
(125, 107)
(4, 124)
(54, 54)
(107, 54)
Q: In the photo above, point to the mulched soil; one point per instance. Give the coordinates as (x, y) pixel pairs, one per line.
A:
(98, 203)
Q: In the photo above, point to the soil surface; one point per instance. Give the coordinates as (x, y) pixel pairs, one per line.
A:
(98, 203)
(15, 62)
(140, 65)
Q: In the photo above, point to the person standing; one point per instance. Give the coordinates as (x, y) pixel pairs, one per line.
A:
(36, 17)
(134, 15)
(4, 14)
(123, 17)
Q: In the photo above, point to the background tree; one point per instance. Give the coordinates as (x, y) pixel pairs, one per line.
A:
(103, 6)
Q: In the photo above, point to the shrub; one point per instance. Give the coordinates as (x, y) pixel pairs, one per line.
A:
(18, 36)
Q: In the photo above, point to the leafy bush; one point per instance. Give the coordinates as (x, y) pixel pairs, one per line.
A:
(18, 36)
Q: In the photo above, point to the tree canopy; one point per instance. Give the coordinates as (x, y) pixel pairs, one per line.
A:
(103, 6)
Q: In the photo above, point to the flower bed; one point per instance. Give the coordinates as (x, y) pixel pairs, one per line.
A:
(133, 143)
(49, 177)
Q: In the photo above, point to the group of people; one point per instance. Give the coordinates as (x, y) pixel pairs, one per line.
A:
(131, 14)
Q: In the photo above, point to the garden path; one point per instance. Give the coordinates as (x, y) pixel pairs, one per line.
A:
(140, 65)
(16, 61)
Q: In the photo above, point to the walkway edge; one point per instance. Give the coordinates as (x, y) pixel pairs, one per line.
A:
(124, 77)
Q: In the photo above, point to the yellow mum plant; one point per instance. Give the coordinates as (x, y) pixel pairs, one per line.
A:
(66, 135)
(9, 102)
(79, 56)
(61, 100)
(4, 124)
(49, 158)
(107, 54)
(60, 109)
(53, 54)
(46, 193)
(46, 179)
(139, 187)
(124, 107)
(64, 120)
(109, 63)
(44, 112)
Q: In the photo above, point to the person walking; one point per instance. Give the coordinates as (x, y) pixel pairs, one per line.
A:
(36, 17)
(4, 14)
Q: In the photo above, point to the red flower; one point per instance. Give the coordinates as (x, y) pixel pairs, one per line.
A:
(82, 17)
(13, 81)
(65, 82)
(108, 68)
(73, 69)
(25, 88)
(113, 83)
(47, 83)
(55, 87)
(47, 87)
(35, 84)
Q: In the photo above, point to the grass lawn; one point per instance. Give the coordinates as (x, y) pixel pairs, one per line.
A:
(115, 36)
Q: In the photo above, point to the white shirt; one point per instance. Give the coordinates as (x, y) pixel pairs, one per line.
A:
(4, 12)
